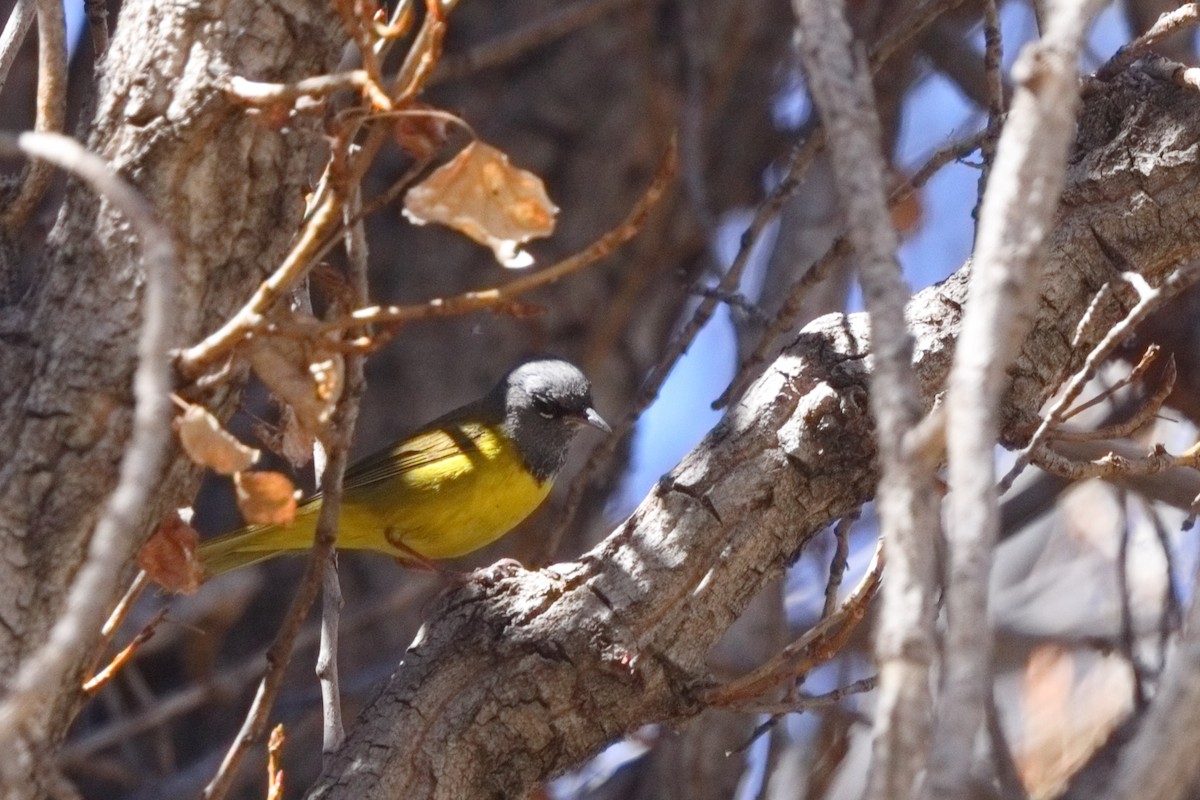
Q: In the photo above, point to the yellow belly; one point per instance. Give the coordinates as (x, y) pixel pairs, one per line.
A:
(452, 505)
(442, 510)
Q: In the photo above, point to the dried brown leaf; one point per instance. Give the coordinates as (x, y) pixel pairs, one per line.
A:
(265, 498)
(288, 439)
(207, 443)
(302, 375)
(421, 135)
(169, 556)
(481, 195)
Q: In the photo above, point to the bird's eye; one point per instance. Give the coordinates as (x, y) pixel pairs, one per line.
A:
(544, 407)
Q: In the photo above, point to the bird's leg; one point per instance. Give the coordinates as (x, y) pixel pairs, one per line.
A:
(411, 559)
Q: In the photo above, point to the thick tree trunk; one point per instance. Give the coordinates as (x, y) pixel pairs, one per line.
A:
(228, 187)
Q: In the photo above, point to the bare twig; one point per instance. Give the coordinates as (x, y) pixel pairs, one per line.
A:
(114, 543)
(764, 215)
(331, 605)
(1171, 22)
(816, 646)
(1149, 299)
(992, 59)
(259, 93)
(1128, 637)
(785, 318)
(542, 31)
(274, 761)
(1172, 613)
(837, 565)
(507, 293)
(1174, 72)
(1149, 358)
(122, 609)
(20, 19)
(807, 702)
(280, 652)
(51, 111)
(1145, 413)
(94, 684)
(1112, 465)
(1008, 777)
(1006, 272)
(217, 345)
(229, 682)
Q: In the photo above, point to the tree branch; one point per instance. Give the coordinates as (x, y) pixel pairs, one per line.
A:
(522, 678)
(1022, 195)
(25, 723)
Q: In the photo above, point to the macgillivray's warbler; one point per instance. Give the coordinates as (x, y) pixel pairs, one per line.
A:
(455, 485)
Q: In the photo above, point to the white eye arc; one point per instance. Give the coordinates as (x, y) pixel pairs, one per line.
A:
(544, 408)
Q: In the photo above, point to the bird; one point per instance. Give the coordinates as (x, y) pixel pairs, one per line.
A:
(451, 487)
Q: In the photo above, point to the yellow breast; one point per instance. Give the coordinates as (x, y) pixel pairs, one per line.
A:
(448, 506)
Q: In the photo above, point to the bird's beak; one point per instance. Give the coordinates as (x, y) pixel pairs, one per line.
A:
(591, 417)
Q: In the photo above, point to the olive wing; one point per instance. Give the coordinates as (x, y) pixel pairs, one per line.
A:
(451, 447)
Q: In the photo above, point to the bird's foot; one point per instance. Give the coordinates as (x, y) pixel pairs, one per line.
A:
(494, 573)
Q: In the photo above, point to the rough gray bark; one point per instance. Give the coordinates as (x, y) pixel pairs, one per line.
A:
(67, 349)
(520, 679)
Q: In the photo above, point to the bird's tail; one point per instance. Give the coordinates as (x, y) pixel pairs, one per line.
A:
(255, 544)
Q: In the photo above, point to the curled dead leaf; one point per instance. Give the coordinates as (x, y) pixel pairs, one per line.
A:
(207, 443)
(302, 374)
(265, 498)
(169, 556)
(480, 194)
(288, 439)
(422, 135)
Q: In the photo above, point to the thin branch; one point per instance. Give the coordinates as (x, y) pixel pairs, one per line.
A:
(992, 60)
(801, 157)
(808, 702)
(1185, 16)
(259, 93)
(280, 653)
(114, 543)
(334, 731)
(1172, 612)
(1149, 299)
(819, 644)
(1113, 466)
(1008, 777)
(539, 33)
(837, 565)
(1149, 358)
(1144, 415)
(824, 266)
(1006, 272)
(20, 19)
(51, 111)
(217, 345)
(1128, 637)
(506, 294)
(229, 682)
(97, 681)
